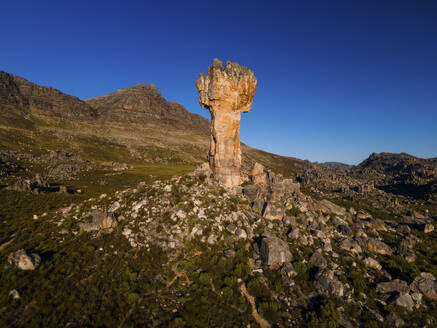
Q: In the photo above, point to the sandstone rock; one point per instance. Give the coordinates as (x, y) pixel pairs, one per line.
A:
(318, 260)
(226, 92)
(294, 234)
(100, 220)
(394, 286)
(274, 211)
(329, 207)
(426, 283)
(258, 175)
(427, 228)
(379, 247)
(252, 191)
(372, 263)
(258, 206)
(327, 284)
(395, 320)
(289, 221)
(350, 246)
(405, 301)
(23, 260)
(274, 251)
(290, 186)
(288, 270)
(241, 234)
(13, 294)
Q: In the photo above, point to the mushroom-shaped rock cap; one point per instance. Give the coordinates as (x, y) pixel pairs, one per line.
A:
(228, 88)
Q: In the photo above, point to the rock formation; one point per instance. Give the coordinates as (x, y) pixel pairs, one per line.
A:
(226, 92)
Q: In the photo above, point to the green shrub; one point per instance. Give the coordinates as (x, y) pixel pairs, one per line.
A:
(325, 315)
(293, 211)
(271, 311)
(133, 297)
(205, 278)
(242, 270)
(258, 289)
(397, 265)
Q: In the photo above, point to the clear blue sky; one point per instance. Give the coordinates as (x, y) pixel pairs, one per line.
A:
(337, 80)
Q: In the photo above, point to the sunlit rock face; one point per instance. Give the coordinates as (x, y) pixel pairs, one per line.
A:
(226, 92)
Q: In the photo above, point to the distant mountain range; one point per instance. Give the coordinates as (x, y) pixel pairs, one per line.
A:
(336, 165)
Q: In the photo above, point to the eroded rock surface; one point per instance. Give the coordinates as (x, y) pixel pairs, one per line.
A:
(226, 92)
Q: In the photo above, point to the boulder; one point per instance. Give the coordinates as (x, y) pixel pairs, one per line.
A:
(100, 220)
(252, 191)
(318, 260)
(274, 211)
(258, 175)
(351, 246)
(24, 260)
(372, 263)
(327, 284)
(328, 207)
(405, 301)
(426, 284)
(394, 286)
(395, 320)
(291, 187)
(274, 251)
(379, 247)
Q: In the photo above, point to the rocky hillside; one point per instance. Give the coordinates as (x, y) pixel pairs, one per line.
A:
(23, 97)
(336, 165)
(143, 104)
(400, 174)
(185, 252)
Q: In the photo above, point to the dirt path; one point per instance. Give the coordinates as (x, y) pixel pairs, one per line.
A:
(261, 321)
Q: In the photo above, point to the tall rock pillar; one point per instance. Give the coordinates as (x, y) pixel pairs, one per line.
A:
(226, 92)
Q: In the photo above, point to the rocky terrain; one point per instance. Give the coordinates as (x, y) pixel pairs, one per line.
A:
(136, 226)
(186, 251)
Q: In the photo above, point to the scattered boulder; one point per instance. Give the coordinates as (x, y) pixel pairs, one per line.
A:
(274, 211)
(372, 263)
(395, 286)
(395, 320)
(100, 220)
(427, 227)
(274, 251)
(14, 294)
(329, 207)
(405, 301)
(379, 247)
(426, 284)
(350, 246)
(258, 174)
(24, 260)
(327, 284)
(318, 260)
(252, 191)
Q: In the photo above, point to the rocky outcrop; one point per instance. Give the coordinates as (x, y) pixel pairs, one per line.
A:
(100, 220)
(274, 251)
(226, 92)
(426, 283)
